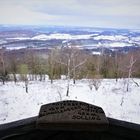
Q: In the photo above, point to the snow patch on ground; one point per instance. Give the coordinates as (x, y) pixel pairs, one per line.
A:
(16, 104)
(61, 36)
(117, 44)
(137, 39)
(111, 37)
(54, 36)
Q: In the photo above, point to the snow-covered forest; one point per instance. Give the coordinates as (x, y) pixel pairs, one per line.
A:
(31, 78)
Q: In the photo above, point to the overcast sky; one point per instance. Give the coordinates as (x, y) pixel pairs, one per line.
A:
(94, 13)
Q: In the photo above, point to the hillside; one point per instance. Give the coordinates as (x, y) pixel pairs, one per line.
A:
(16, 104)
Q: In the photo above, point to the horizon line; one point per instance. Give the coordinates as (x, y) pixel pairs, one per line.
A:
(70, 26)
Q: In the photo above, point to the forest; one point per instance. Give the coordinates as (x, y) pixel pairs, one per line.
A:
(70, 62)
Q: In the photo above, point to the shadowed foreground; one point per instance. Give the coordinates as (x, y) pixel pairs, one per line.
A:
(70, 120)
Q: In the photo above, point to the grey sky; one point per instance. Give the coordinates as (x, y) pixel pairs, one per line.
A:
(95, 13)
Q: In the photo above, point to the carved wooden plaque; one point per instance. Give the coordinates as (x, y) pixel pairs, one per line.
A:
(72, 115)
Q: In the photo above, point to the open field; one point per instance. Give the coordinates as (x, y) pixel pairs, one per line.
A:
(16, 104)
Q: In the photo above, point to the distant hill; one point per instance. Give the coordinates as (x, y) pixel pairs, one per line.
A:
(93, 39)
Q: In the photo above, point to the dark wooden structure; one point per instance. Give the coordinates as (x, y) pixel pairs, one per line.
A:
(70, 120)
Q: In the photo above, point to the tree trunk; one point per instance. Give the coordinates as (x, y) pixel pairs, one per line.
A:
(132, 62)
(3, 81)
(15, 78)
(74, 71)
(67, 90)
(68, 78)
(3, 71)
(26, 86)
(129, 75)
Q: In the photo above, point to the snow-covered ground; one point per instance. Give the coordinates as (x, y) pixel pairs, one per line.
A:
(111, 37)
(16, 104)
(55, 36)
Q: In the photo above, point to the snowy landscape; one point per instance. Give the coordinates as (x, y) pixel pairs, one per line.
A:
(85, 38)
(104, 62)
(70, 66)
(112, 96)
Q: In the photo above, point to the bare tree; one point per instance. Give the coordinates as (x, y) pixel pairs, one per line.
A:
(13, 66)
(31, 60)
(69, 56)
(78, 60)
(23, 70)
(132, 61)
(52, 59)
(95, 82)
(93, 71)
(116, 66)
(67, 53)
(3, 67)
